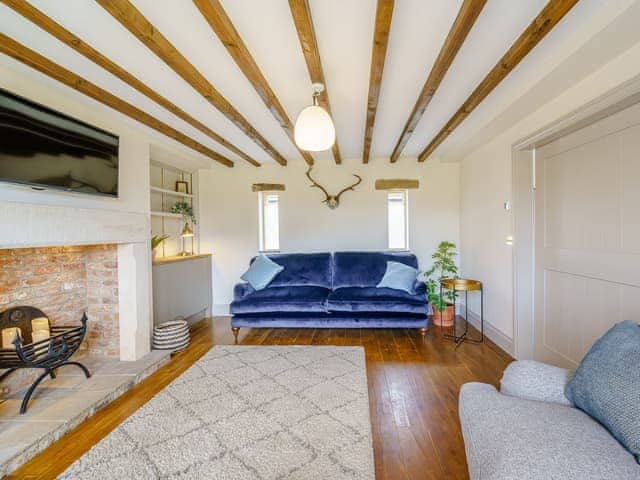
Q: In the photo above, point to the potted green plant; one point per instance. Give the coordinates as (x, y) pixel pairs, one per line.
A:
(156, 240)
(183, 208)
(444, 266)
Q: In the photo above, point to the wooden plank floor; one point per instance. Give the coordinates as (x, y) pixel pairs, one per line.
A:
(413, 389)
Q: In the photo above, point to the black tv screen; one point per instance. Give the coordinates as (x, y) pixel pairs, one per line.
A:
(46, 149)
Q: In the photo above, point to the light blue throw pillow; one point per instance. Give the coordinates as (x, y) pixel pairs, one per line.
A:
(261, 272)
(399, 277)
(606, 384)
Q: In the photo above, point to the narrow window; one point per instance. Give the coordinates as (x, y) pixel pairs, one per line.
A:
(269, 221)
(398, 220)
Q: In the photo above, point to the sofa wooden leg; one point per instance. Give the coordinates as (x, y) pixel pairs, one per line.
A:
(423, 331)
(235, 331)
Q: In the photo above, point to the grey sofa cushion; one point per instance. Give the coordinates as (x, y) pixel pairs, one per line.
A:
(509, 438)
(536, 381)
(606, 384)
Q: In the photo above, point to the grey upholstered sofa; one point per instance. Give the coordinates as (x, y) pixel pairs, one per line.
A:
(529, 430)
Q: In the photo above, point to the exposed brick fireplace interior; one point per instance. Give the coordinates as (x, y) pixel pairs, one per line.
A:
(64, 282)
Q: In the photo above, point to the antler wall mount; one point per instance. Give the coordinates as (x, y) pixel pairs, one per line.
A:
(332, 201)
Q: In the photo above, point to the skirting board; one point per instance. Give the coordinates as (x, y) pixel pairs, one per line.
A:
(221, 309)
(496, 336)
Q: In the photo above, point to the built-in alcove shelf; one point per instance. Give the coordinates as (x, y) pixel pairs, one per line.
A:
(163, 196)
(166, 191)
(179, 258)
(166, 215)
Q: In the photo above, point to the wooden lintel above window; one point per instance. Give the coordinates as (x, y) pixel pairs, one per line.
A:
(268, 187)
(396, 183)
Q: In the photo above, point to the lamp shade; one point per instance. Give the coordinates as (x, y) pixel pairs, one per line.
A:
(186, 231)
(314, 130)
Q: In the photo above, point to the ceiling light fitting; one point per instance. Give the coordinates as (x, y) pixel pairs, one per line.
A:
(314, 130)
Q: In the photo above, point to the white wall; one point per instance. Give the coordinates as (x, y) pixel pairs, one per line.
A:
(229, 212)
(486, 182)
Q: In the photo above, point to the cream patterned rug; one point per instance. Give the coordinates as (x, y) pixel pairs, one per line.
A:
(243, 412)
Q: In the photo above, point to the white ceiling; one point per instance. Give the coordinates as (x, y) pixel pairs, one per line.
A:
(344, 32)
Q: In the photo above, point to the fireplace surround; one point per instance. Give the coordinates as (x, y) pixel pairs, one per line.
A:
(66, 282)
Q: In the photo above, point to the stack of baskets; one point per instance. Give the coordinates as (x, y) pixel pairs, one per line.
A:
(172, 335)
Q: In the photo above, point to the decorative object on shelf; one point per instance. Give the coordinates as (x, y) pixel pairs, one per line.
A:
(442, 301)
(183, 208)
(172, 335)
(156, 240)
(397, 184)
(267, 187)
(182, 186)
(186, 233)
(314, 130)
(332, 201)
(48, 348)
(465, 285)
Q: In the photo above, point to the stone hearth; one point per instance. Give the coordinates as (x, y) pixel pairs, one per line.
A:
(60, 405)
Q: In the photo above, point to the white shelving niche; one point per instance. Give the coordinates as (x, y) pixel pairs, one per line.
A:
(163, 196)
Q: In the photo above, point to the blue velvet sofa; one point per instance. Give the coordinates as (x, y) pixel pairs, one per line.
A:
(324, 290)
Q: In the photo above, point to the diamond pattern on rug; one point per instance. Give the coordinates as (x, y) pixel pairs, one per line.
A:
(247, 413)
(276, 456)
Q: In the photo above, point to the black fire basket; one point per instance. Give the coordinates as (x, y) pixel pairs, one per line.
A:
(49, 354)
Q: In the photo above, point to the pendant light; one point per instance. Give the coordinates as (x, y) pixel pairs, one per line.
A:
(314, 130)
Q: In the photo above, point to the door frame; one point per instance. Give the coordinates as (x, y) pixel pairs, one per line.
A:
(523, 205)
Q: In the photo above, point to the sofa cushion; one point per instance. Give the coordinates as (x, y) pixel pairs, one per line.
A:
(511, 438)
(366, 269)
(372, 299)
(282, 299)
(606, 384)
(261, 272)
(536, 381)
(302, 269)
(399, 277)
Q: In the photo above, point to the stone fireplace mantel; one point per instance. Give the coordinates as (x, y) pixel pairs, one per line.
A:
(27, 225)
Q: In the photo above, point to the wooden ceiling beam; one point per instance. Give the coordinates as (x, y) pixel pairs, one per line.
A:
(306, 34)
(65, 36)
(384, 12)
(548, 17)
(16, 50)
(223, 27)
(133, 20)
(466, 18)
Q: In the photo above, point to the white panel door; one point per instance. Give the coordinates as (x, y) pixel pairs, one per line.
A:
(587, 236)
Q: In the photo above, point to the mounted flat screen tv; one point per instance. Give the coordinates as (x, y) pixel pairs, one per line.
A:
(46, 149)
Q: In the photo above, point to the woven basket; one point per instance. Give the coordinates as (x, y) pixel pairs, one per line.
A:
(172, 335)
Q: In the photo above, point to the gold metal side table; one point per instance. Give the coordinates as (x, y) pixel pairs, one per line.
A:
(464, 285)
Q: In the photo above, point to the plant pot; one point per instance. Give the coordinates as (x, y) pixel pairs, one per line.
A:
(153, 254)
(444, 318)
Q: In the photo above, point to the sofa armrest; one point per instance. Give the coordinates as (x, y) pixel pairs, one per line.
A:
(241, 290)
(420, 288)
(475, 397)
(536, 381)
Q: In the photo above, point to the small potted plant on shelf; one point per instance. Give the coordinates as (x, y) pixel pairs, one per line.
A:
(444, 266)
(156, 240)
(183, 208)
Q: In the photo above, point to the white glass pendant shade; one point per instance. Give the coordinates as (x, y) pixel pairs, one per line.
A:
(314, 130)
